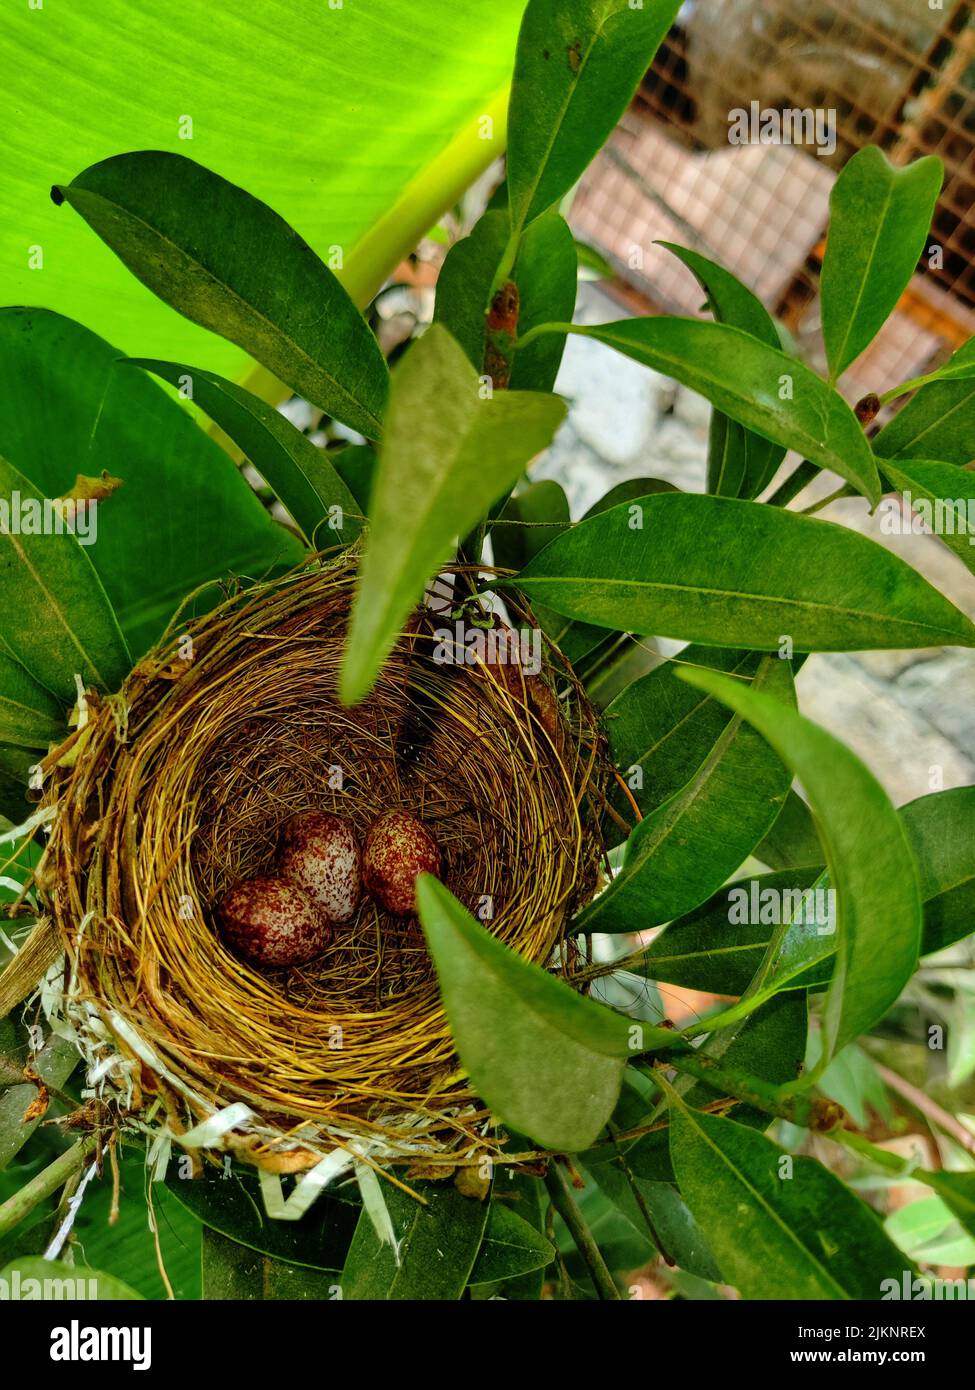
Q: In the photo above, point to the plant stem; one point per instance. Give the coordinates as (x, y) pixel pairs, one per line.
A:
(799, 478)
(567, 1207)
(844, 491)
(22, 1203)
(809, 1112)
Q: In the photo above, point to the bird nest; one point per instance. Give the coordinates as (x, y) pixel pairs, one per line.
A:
(175, 789)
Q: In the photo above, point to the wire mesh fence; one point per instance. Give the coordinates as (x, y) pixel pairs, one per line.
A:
(735, 140)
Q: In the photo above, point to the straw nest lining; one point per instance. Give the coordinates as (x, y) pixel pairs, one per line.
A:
(178, 790)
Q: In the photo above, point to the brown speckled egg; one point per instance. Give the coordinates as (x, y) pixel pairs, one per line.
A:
(270, 921)
(320, 853)
(398, 849)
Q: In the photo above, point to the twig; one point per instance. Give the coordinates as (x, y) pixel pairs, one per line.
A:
(929, 1108)
(568, 1208)
(55, 1175)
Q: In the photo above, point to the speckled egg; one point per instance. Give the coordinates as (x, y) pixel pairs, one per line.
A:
(271, 922)
(398, 849)
(320, 853)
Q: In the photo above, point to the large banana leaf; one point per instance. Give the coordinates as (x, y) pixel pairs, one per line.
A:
(358, 124)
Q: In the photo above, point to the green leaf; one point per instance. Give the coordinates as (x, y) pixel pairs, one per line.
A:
(227, 261)
(956, 1190)
(545, 272)
(740, 463)
(779, 1227)
(592, 260)
(937, 423)
(712, 949)
(851, 1079)
(941, 833)
(548, 1061)
(291, 102)
(229, 1201)
(30, 716)
(660, 728)
(56, 619)
(232, 1272)
(658, 1203)
(512, 1247)
(879, 221)
(300, 474)
(926, 1231)
(356, 466)
(37, 1278)
(437, 1246)
(206, 522)
(577, 66)
(793, 842)
(731, 573)
(878, 917)
(943, 495)
(719, 946)
(54, 1063)
(761, 387)
(526, 524)
(770, 1044)
(685, 849)
(446, 456)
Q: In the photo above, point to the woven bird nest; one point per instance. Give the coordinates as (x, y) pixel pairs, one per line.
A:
(176, 790)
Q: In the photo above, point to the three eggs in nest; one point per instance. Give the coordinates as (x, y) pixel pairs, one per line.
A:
(288, 918)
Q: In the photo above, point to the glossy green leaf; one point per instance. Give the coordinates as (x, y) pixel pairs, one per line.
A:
(36, 1278)
(356, 466)
(512, 1247)
(437, 1246)
(719, 946)
(740, 463)
(779, 1226)
(231, 264)
(660, 729)
(446, 456)
(360, 125)
(658, 1205)
(938, 422)
(528, 521)
(878, 914)
(545, 272)
(300, 474)
(56, 619)
(793, 842)
(593, 261)
(942, 496)
(941, 833)
(232, 1272)
(712, 948)
(880, 216)
(683, 850)
(761, 387)
(229, 1201)
(548, 1061)
(30, 716)
(526, 524)
(732, 573)
(577, 66)
(206, 523)
(770, 1043)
